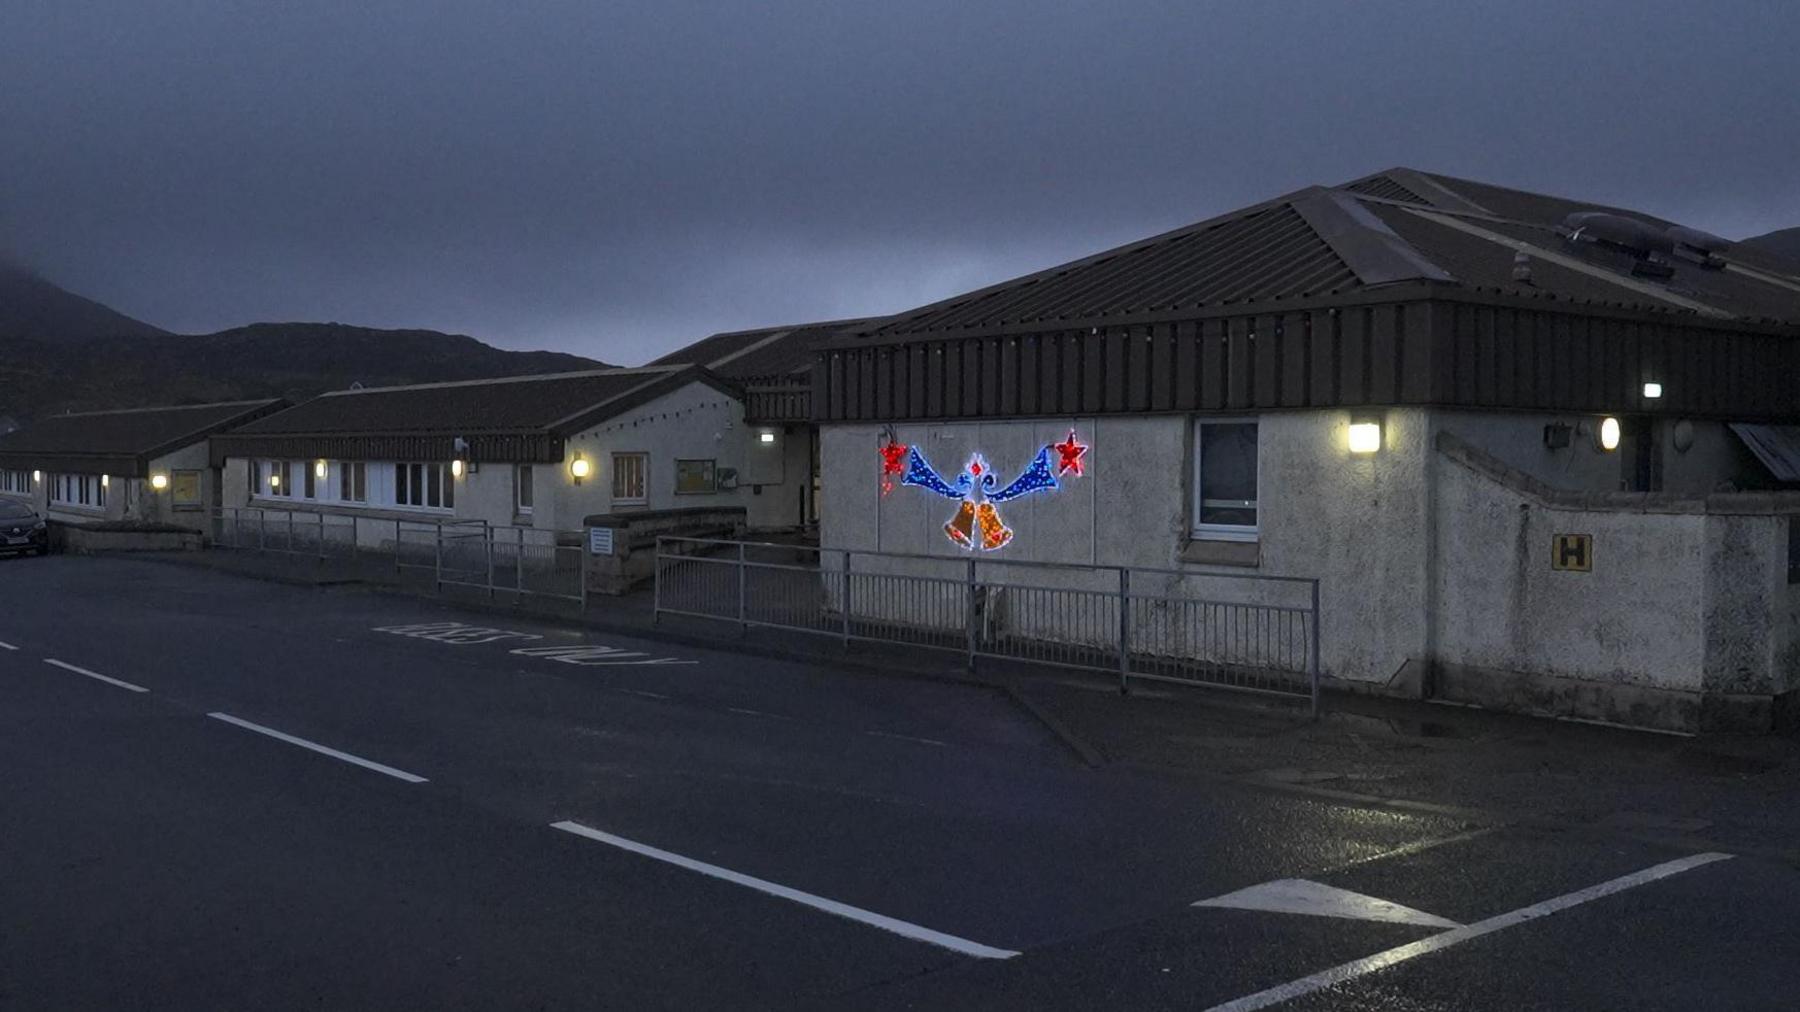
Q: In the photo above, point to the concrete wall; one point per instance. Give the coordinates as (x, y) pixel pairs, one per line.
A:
(1714, 459)
(1686, 620)
(160, 506)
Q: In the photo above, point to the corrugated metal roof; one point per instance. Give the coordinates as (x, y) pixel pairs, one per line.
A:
(1382, 185)
(1266, 252)
(131, 432)
(1304, 245)
(519, 404)
(1777, 446)
(763, 352)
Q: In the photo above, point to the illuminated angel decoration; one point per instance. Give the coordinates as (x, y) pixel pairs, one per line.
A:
(975, 489)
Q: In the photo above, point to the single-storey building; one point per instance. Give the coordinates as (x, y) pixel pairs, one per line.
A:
(542, 451)
(151, 464)
(1539, 453)
(773, 367)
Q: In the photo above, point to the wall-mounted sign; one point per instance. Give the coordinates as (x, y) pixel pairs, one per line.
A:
(1572, 553)
(600, 540)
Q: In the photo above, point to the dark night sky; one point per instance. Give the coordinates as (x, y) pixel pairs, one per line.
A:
(618, 179)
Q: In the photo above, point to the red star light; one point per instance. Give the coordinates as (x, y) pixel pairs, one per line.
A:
(1070, 453)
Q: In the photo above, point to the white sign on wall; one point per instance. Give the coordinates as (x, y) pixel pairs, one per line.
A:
(600, 540)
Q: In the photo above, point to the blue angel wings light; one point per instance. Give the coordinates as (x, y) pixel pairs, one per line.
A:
(1037, 476)
(920, 473)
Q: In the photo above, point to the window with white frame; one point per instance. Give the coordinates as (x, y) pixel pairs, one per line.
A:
(310, 478)
(274, 478)
(630, 481)
(1225, 480)
(353, 481)
(15, 481)
(87, 491)
(426, 486)
(522, 489)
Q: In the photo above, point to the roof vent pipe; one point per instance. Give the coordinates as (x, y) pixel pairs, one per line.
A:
(1521, 268)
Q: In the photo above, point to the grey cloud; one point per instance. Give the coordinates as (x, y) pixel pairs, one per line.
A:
(618, 179)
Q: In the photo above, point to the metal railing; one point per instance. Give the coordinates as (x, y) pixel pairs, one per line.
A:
(1249, 632)
(460, 553)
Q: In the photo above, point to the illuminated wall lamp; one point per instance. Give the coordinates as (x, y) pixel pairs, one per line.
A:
(456, 468)
(578, 468)
(320, 468)
(37, 476)
(1652, 390)
(1607, 436)
(1365, 436)
(106, 481)
(159, 481)
(766, 437)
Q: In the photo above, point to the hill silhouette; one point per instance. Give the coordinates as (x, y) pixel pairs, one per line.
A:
(62, 352)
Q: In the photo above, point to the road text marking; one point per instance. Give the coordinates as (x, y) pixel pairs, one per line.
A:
(66, 666)
(1412, 950)
(411, 778)
(912, 931)
(1316, 899)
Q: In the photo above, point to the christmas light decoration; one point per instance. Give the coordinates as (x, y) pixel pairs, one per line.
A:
(892, 462)
(1070, 453)
(977, 517)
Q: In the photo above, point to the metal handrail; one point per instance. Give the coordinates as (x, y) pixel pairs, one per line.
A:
(1259, 646)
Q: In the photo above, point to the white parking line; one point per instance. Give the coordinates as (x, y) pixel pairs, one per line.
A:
(912, 931)
(411, 778)
(66, 666)
(1412, 950)
(7, 646)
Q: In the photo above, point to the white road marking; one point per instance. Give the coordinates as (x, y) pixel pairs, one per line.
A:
(757, 713)
(907, 737)
(1316, 899)
(1409, 849)
(66, 666)
(912, 931)
(1412, 950)
(647, 694)
(411, 778)
(7, 646)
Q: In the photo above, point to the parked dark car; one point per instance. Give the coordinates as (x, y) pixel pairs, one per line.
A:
(22, 530)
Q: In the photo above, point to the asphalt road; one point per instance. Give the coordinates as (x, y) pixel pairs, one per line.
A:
(233, 794)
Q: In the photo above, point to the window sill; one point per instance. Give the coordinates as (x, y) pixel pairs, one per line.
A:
(521, 520)
(1247, 554)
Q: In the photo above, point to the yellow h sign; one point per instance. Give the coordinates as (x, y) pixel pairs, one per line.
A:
(1573, 553)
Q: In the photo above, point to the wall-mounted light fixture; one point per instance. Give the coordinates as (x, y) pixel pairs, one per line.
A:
(1558, 435)
(578, 468)
(274, 479)
(1607, 435)
(1652, 390)
(1365, 435)
(37, 476)
(105, 481)
(159, 481)
(320, 468)
(456, 468)
(766, 436)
